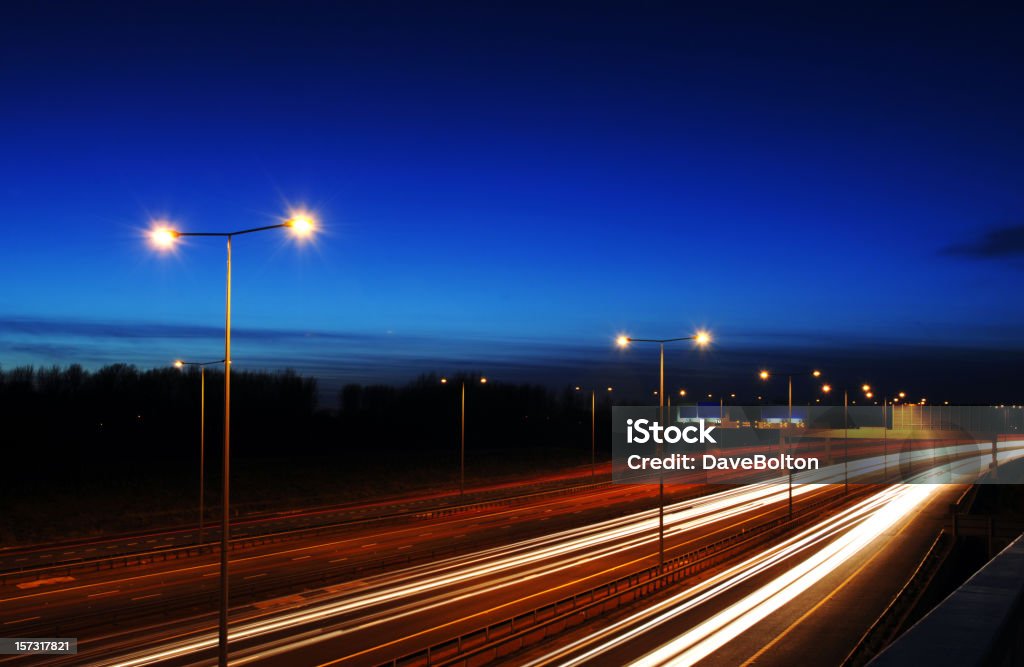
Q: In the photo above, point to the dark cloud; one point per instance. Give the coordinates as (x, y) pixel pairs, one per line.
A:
(1000, 243)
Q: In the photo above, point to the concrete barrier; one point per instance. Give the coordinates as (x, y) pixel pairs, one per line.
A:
(980, 623)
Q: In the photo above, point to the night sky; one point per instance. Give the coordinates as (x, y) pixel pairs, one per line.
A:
(505, 186)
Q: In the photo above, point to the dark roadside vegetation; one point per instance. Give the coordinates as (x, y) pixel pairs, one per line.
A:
(89, 453)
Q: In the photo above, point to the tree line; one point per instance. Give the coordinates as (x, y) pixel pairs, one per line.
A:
(119, 416)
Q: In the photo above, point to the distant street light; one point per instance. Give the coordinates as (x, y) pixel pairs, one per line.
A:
(701, 339)
(593, 430)
(765, 375)
(462, 434)
(201, 365)
(164, 237)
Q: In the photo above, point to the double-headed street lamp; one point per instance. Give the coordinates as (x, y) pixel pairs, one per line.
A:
(462, 433)
(765, 375)
(701, 339)
(201, 365)
(164, 237)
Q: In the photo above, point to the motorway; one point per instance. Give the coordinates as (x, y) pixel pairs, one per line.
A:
(377, 617)
(514, 559)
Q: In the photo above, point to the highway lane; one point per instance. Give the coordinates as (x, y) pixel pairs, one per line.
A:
(84, 595)
(397, 612)
(263, 522)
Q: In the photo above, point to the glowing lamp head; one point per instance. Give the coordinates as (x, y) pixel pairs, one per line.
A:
(163, 237)
(682, 392)
(764, 375)
(302, 225)
(178, 363)
(702, 338)
(865, 388)
(609, 388)
(444, 380)
(622, 341)
(483, 380)
(816, 374)
(826, 388)
(869, 394)
(903, 394)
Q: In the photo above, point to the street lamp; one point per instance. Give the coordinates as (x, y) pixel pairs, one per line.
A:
(700, 339)
(765, 375)
(201, 365)
(164, 237)
(462, 433)
(593, 430)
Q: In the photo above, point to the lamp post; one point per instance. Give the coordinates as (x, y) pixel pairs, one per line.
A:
(164, 238)
(846, 441)
(201, 365)
(765, 376)
(462, 433)
(701, 339)
(593, 429)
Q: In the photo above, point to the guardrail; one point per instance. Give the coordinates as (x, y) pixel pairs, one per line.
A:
(894, 616)
(504, 637)
(888, 624)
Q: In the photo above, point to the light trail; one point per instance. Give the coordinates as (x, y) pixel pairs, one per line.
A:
(490, 570)
(844, 535)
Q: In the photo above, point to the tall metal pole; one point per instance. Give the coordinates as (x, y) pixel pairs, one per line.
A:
(790, 400)
(885, 439)
(462, 442)
(846, 442)
(789, 444)
(593, 456)
(222, 639)
(202, 446)
(661, 473)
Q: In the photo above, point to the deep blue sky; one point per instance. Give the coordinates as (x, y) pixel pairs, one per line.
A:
(507, 185)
